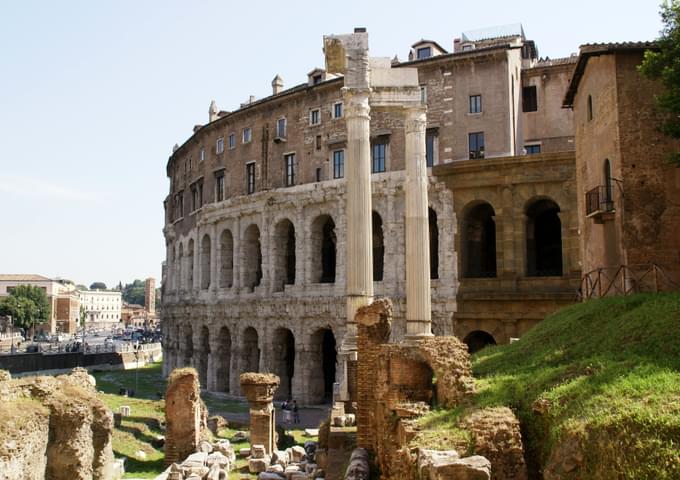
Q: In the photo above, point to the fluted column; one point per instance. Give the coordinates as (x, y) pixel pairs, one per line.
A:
(359, 257)
(418, 302)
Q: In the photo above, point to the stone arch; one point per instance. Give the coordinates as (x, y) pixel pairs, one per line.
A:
(322, 373)
(223, 361)
(543, 238)
(283, 361)
(250, 351)
(252, 257)
(284, 254)
(478, 242)
(434, 243)
(227, 259)
(190, 264)
(324, 249)
(378, 247)
(478, 339)
(203, 355)
(180, 268)
(188, 350)
(206, 249)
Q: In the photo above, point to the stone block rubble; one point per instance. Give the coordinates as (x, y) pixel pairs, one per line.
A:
(211, 461)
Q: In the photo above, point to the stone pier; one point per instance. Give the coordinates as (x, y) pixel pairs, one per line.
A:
(259, 389)
(183, 415)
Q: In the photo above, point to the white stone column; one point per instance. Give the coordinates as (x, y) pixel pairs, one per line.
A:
(359, 252)
(418, 301)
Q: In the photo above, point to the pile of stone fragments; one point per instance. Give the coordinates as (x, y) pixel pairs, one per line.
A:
(212, 461)
(294, 463)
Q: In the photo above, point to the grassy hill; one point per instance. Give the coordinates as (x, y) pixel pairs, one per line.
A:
(596, 387)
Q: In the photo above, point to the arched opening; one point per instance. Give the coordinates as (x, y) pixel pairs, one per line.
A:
(324, 356)
(284, 254)
(177, 347)
(223, 361)
(227, 263)
(434, 243)
(252, 275)
(188, 353)
(477, 340)
(205, 262)
(324, 249)
(203, 355)
(378, 247)
(544, 239)
(172, 282)
(190, 265)
(250, 351)
(283, 361)
(479, 242)
(608, 192)
(180, 268)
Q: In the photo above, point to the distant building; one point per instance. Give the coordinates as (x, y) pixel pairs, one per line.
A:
(64, 299)
(150, 295)
(133, 315)
(102, 308)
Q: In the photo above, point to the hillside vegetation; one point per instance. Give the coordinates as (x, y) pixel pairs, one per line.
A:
(596, 387)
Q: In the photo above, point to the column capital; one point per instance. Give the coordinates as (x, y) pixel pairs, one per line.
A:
(416, 119)
(356, 102)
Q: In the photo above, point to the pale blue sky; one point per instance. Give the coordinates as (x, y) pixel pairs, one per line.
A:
(93, 95)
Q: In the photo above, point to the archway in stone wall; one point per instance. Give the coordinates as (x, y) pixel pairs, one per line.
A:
(223, 361)
(283, 361)
(252, 257)
(434, 243)
(544, 239)
(478, 242)
(203, 355)
(205, 262)
(378, 247)
(283, 247)
(190, 265)
(323, 249)
(322, 367)
(227, 260)
(250, 351)
(180, 268)
(188, 350)
(477, 340)
(172, 274)
(176, 362)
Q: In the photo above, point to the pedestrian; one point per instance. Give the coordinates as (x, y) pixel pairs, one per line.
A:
(296, 412)
(286, 411)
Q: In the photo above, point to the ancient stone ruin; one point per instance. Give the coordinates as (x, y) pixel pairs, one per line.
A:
(55, 428)
(185, 415)
(259, 389)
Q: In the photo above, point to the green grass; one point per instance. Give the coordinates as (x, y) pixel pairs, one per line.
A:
(606, 374)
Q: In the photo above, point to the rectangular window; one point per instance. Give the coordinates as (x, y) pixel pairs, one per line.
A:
(532, 149)
(475, 104)
(219, 148)
(250, 178)
(247, 135)
(200, 194)
(423, 94)
(315, 117)
(232, 141)
(201, 155)
(339, 164)
(378, 157)
(316, 79)
(318, 174)
(476, 143)
(219, 186)
(430, 147)
(281, 128)
(424, 52)
(194, 198)
(290, 169)
(318, 142)
(529, 100)
(337, 110)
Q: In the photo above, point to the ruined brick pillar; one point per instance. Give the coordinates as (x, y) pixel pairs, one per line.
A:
(418, 302)
(182, 415)
(374, 326)
(259, 389)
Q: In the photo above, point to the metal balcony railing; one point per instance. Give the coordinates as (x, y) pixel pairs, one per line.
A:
(599, 200)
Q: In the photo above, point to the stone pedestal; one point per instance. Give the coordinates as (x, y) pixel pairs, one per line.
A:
(182, 415)
(259, 389)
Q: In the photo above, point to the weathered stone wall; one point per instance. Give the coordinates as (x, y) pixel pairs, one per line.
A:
(55, 428)
(184, 415)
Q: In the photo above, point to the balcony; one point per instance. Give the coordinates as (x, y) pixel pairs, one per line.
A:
(600, 203)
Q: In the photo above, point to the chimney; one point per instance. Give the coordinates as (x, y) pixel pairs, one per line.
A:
(277, 85)
(212, 112)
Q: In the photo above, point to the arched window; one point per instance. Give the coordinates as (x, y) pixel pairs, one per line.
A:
(324, 249)
(283, 361)
(190, 265)
(227, 259)
(180, 268)
(224, 361)
(434, 243)
(252, 257)
(479, 242)
(284, 254)
(203, 355)
(250, 351)
(205, 262)
(378, 247)
(544, 239)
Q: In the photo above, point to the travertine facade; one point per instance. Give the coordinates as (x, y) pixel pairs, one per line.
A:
(256, 219)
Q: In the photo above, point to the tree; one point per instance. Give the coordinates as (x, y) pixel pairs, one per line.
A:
(134, 292)
(98, 286)
(663, 65)
(27, 304)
